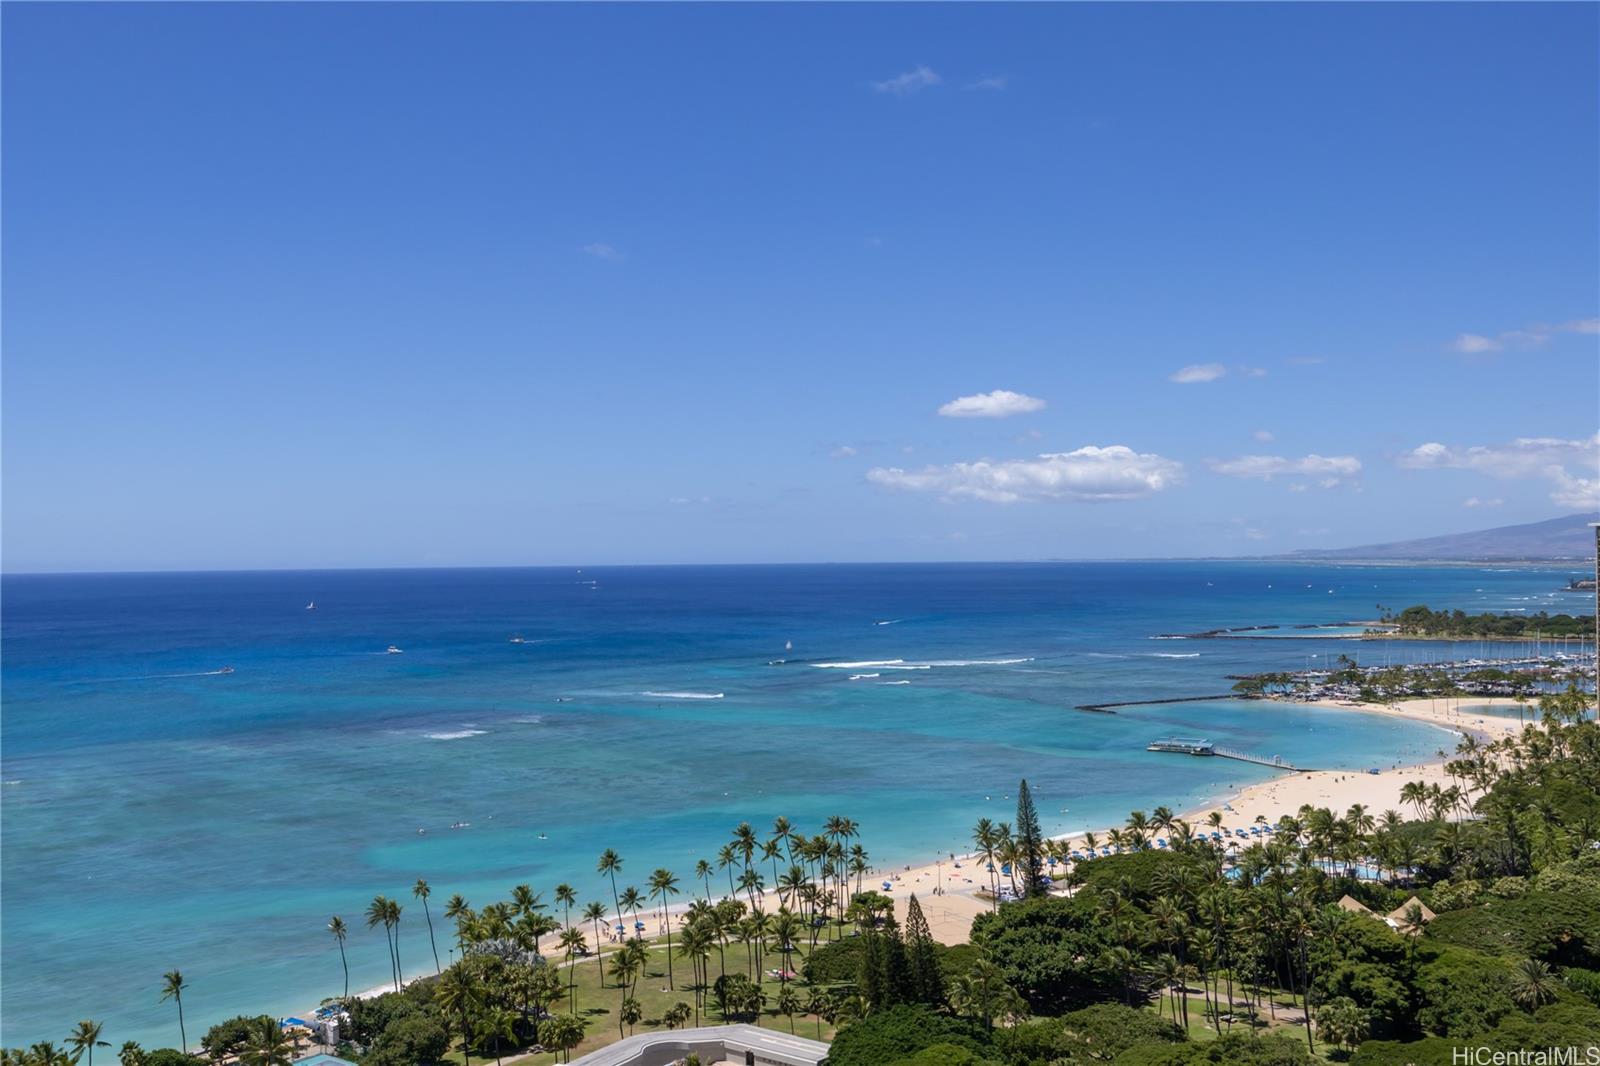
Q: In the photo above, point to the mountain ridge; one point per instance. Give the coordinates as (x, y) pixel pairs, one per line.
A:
(1566, 538)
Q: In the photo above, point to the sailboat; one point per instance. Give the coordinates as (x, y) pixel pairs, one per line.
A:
(312, 606)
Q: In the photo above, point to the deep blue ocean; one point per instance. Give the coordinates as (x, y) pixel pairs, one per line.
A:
(160, 814)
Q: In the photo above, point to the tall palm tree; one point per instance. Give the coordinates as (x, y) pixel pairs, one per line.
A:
(702, 872)
(378, 914)
(337, 928)
(172, 987)
(611, 863)
(422, 892)
(663, 886)
(595, 913)
(85, 1038)
(572, 943)
(391, 919)
(567, 896)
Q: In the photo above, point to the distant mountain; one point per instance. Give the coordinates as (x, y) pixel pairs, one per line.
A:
(1558, 538)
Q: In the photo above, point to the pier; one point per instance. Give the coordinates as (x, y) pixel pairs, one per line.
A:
(1205, 748)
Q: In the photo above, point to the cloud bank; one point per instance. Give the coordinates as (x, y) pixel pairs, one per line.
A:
(1331, 470)
(1572, 466)
(1089, 474)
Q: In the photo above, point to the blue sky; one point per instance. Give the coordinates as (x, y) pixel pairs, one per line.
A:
(315, 285)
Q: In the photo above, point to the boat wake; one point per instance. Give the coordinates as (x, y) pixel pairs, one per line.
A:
(925, 664)
(1175, 655)
(683, 695)
(458, 734)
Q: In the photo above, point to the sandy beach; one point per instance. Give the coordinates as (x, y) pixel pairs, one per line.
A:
(951, 910)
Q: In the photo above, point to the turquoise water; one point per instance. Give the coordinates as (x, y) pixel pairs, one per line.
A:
(158, 814)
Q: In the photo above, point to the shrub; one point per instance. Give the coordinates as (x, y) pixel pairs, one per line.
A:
(1461, 993)
(225, 1038)
(1584, 982)
(946, 1055)
(1047, 949)
(835, 963)
(414, 1040)
(1559, 928)
(885, 1037)
(1233, 1049)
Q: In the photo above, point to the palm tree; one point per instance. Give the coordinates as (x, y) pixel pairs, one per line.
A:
(422, 892)
(630, 903)
(572, 943)
(497, 1026)
(378, 914)
(1533, 984)
(663, 885)
(789, 1004)
(336, 927)
(267, 1045)
(595, 913)
(457, 995)
(392, 919)
(85, 1038)
(172, 987)
(611, 863)
(567, 896)
(702, 872)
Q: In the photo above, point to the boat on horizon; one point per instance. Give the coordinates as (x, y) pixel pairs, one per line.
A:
(392, 650)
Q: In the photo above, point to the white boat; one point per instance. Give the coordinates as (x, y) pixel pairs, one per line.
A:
(392, 650)
(312, 606)
(516, 638)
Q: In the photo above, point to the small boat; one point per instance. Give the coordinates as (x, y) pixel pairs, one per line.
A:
(226, 670)
(392, 650)
(516, 638)
(312, 606)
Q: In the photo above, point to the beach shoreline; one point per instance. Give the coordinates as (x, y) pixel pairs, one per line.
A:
(1240, 807)
(951, 909)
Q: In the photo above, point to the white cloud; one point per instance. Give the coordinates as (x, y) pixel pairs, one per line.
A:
(1329, 470)
(1474, 501)
(1253, 371)
(1539, 333)
(686, 501)
(843, 451)
(1198, 372)
(1263, 435)
(1001, 403)
(1545, 458)
(993, 83)
(602, 251)
(1473, 343)
(912, 81)
(1254, 534)
(1088, 474)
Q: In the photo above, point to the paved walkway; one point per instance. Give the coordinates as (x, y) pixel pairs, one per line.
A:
(715, 1043)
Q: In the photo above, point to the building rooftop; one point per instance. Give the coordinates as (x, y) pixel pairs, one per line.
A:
(717, 1043)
